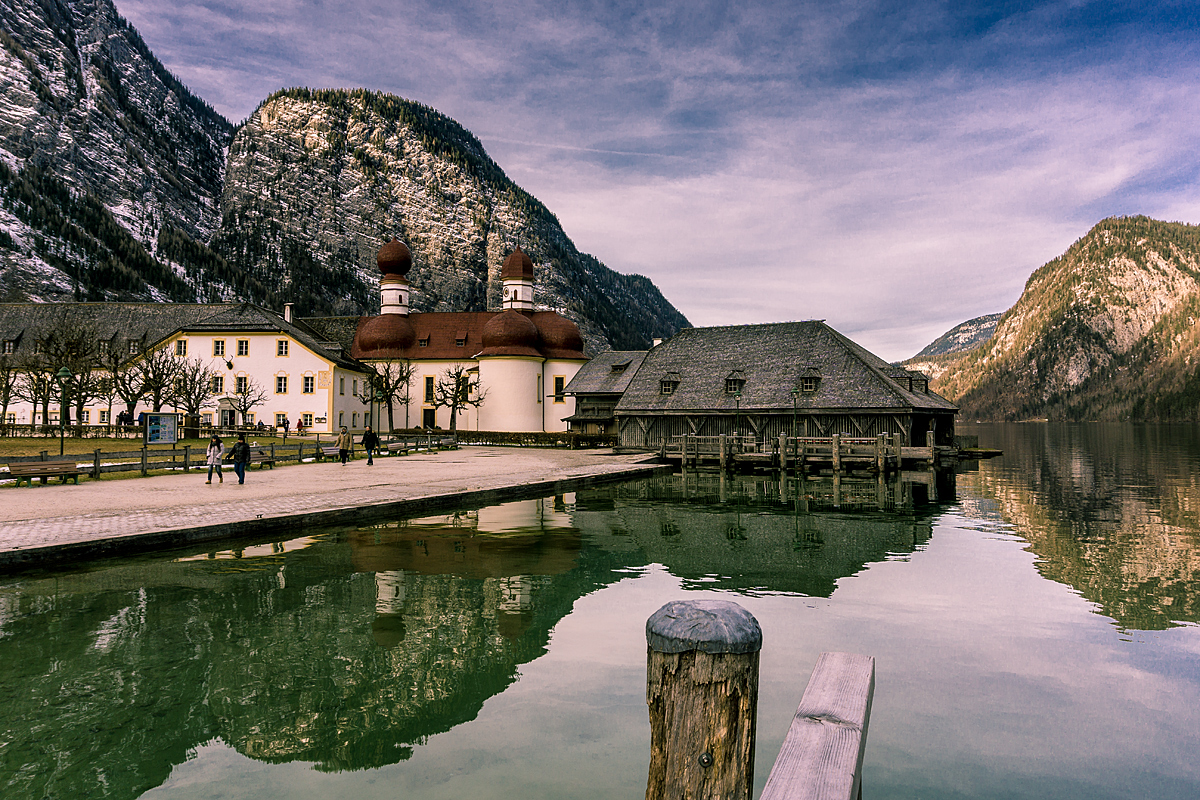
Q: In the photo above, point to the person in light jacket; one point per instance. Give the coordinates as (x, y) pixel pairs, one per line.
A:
(216, 450)
(241, 457)
(344, 444)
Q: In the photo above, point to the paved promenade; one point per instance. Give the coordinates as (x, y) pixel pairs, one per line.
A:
(43, 525)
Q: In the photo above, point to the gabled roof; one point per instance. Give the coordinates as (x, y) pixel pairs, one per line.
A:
(772, 358)
(607, 373)
(150, 323)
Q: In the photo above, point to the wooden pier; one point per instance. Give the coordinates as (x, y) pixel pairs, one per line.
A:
(836, 453)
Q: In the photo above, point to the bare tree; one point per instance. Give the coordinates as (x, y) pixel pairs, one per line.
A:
(246, 395)
(457, 388)
(159, 370)
(35, 385)
(391, 383)
(193, 385)
(9, 374)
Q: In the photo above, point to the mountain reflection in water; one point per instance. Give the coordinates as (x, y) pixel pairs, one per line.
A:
(1110, 509)
(348, 649)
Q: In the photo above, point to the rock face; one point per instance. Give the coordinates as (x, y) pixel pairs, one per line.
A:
(935, 359)
(86, 109)
(318, 180)
(113, 186)
(1105, 331)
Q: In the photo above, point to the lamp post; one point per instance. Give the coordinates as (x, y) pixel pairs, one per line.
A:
(62, 376)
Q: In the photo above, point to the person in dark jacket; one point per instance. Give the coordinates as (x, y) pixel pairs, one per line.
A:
(370, 443)
(241, 457)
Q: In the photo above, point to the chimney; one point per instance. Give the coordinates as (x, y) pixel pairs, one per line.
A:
(655, 342)
(287, 312)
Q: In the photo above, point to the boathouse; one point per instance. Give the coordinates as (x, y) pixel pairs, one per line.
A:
(597, 388)
(788, 378)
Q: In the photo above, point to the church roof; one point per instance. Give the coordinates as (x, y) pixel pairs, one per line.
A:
(439, 333)
(772, 360)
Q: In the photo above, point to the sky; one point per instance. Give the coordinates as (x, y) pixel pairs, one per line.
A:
(894, 168)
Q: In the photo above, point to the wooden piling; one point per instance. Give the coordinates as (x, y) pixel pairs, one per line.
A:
(702, 690)
(837, 453)
(144, 470)
(187, 457)
(96, 465)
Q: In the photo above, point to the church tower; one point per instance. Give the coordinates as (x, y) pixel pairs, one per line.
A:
(517, 275)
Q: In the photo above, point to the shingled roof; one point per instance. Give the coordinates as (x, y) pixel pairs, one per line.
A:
(607, 373)
(772, 360)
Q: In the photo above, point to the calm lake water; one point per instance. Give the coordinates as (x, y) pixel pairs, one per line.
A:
(1034, 624)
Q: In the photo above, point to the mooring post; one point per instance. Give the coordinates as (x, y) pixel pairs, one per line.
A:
(879, 453)
(187, 457)
(702, 690)
(96, 465)
(837, 452)
(721, 446)
(144, 471)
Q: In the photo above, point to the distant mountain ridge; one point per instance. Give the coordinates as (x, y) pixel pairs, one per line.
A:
(963, 337)
(1108, 330)
(117, 183)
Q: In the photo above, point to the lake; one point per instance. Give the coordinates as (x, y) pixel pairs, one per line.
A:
(1033, 619)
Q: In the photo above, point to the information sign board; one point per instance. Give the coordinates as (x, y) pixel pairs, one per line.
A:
(162, 428)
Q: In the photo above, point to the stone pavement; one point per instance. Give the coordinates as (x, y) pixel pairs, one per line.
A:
(60, 523)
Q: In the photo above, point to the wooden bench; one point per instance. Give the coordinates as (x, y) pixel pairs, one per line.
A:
(448, 443)
(403, 448)
(331, 451)
(29, 470)
(822, 755)
(262, 458)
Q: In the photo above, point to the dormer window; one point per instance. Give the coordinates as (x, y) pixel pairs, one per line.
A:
(424, 342)
(735, 382)
(8, 347)
(668, 383)
(133, 347)
(810, 379)
(460, 339)
(619, 368)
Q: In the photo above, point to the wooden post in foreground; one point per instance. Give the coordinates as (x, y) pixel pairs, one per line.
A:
(702, 689)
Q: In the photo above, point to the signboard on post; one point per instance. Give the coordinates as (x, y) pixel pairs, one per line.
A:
(162, 428)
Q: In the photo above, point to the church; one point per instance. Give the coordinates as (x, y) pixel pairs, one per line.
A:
(518, 360)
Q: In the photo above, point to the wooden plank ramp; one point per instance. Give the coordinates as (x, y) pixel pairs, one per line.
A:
(822, 755)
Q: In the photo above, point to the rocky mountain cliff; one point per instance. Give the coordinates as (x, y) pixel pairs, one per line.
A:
(113, 186)
(1105, 331)
(317, 180)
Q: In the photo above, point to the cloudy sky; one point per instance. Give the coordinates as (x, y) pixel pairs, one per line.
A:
(893, 167)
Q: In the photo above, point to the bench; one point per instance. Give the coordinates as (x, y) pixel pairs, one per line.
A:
(262, 458)
(45, 469)
(448, 443)
(330, 451)
(403, 448)
(822, 754)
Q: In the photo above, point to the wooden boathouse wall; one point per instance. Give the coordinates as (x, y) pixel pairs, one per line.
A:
(652, 431)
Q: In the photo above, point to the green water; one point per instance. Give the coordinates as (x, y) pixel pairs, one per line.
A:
(1034, 627)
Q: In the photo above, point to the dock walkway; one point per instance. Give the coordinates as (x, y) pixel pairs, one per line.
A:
(43, 525)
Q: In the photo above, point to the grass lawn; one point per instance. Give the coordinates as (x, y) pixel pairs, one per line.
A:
(34, 445)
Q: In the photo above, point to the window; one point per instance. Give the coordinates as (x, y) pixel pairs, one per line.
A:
(102, 347)
(85, 417)
(206, 420)
(306, 419)
(280, 419)
(429, 389)
(560, 383)
(241, 384)
(281, 384)
(668, 383)
(538, 395)
(354, 391)
(218, 384)
(105, 417)
(619, 368)
(341, 385)
(133, 347)
(281, 347)
(181, 347)
(808, 384)
(734, 385)
(423, 342)
(354, 420)
(38, 346)
(219, 347)
(460, 339)
(341, 418)
(308, 386)
(12, 419)
(247, 419)
(243, 347)
(104, 387)
(8, 347)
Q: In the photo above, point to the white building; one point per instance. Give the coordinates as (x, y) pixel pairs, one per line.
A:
(524, 358)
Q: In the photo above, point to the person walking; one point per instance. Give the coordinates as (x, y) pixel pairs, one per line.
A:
(370, 443)
(241, 457)
(216, 450)
(344, 444)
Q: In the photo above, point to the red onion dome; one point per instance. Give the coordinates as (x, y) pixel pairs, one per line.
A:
(510, 333)
(560, 337)
(517, 265)
(394, 258)
(383, 336)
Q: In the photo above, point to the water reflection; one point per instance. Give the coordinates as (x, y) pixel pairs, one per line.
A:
(1112, 510)
(349, 649)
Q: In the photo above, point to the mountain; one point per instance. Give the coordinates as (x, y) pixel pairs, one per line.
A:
(317, 180)
(113, 185)
(1105, 331)
(949, 347)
